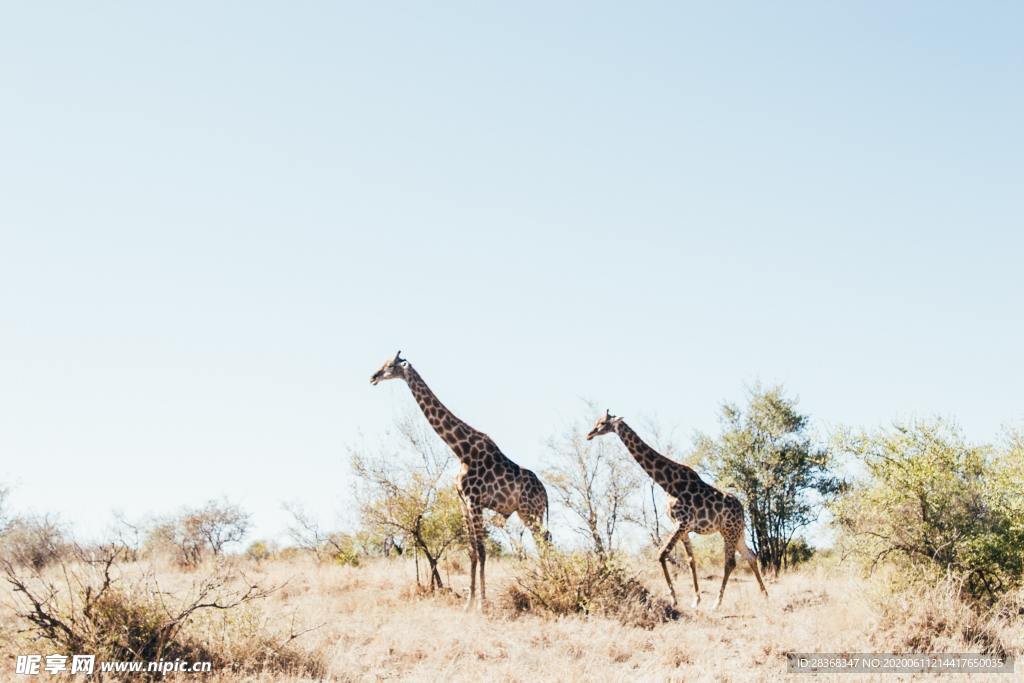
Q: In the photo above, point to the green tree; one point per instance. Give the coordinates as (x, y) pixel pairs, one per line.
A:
(404, 492)
(766, 456)
(936, 503)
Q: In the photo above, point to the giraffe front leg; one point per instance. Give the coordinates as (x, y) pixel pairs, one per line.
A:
(475, 529)
(471, 542)
(663, 554)
(693, 569)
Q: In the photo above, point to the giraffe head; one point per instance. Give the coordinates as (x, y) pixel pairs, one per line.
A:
(606, 423)
(393, 369)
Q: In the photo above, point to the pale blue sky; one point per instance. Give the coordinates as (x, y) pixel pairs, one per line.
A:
(218, 219)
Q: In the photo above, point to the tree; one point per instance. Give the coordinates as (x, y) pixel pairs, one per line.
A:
(404, 492)
(219, 524)
(594, 481)
(935, 503)
(766, 456)
(198, 531)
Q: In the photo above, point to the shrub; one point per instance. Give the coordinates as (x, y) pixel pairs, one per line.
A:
(343, 549)
(798, 552)
(260, 551)
(579, 583)
(93, 608)
(938, 618)
(33, 541)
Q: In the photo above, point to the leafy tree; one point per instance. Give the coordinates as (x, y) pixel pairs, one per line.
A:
(936, 503)
(405, 493)
(766, 456)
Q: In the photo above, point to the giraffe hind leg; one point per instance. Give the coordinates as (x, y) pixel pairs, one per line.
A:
(730, 564)
(533, 520)
(752, 561)
(482, 552)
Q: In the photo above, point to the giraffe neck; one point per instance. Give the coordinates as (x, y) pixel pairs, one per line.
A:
(654, 463)
(453, 431)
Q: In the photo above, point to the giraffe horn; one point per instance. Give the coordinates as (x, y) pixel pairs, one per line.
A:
(397, 355)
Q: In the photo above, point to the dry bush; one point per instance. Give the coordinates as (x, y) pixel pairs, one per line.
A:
(944, 618)
(33, 541)
(91, 605)
(580, 583)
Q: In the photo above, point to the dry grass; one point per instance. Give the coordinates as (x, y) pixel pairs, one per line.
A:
(374, 625)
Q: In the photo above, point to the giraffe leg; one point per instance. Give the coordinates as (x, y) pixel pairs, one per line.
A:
(533, 507)
(730, 564)
(666, 550)
(482, 554)
(752, 561)
(693, 569)
(470, 516)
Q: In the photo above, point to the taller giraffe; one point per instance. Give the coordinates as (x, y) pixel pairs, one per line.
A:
(487, 479)
(693, 504)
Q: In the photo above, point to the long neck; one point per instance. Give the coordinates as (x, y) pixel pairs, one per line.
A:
(453, 431)
(654, 463)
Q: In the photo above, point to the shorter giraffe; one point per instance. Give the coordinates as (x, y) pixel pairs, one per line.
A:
(693, 504)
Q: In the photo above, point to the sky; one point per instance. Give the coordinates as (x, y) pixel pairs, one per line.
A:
(217, 220)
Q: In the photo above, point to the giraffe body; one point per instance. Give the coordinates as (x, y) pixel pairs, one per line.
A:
(487, 479)
(693, 504)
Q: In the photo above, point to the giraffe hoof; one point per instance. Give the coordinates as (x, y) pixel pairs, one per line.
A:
(718, 604)
(695, 604)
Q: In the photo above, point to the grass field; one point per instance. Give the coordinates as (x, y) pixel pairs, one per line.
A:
(371, 623)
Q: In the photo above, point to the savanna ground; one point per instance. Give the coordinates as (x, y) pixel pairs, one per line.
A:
(371, 622)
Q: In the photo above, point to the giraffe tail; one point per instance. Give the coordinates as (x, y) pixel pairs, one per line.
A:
(547, 516)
